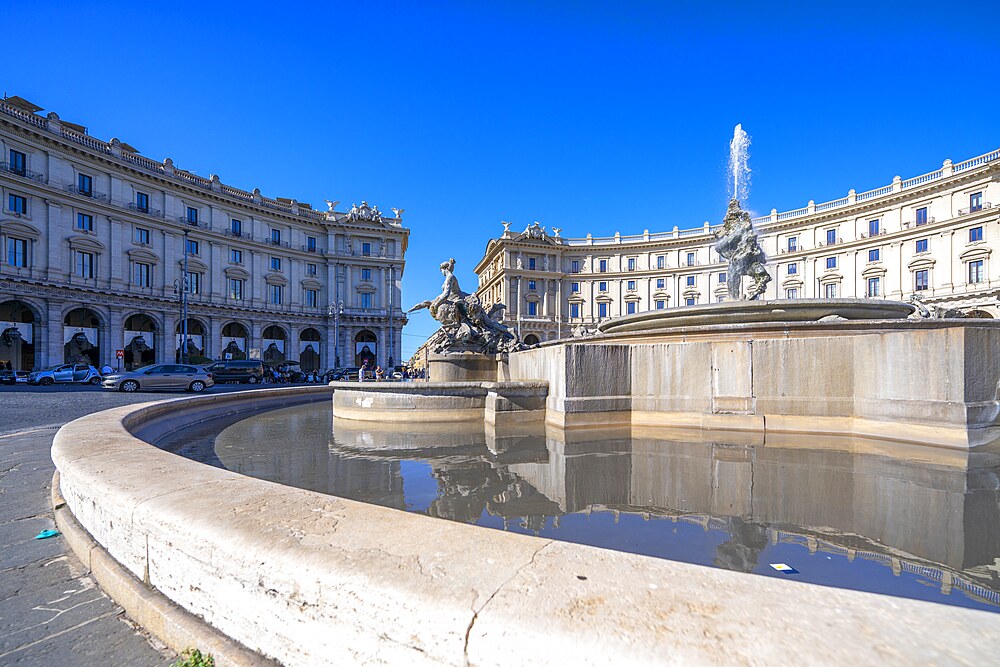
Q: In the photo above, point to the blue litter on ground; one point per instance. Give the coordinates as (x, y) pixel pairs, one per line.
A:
(784, 569)
(46, 534)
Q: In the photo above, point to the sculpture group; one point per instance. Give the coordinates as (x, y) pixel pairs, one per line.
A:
(465, 325)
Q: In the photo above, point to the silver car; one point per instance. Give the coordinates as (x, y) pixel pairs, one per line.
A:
(79, 373)
(161, 377)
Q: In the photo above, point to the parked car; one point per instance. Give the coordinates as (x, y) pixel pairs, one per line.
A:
(251, 372)
(161, 377)
(64, 374)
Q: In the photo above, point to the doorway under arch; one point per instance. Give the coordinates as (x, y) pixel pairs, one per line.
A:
(140, 341)
(309, 350)
(82, 337)
(365, 348)
(18, 329)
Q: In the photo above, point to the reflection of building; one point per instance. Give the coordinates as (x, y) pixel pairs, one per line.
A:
(931, 236)
(94, 234)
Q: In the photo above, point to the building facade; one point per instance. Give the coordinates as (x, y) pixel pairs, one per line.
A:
(931, 236)
(104, 249)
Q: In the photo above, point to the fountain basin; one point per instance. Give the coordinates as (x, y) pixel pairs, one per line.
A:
(749, 312)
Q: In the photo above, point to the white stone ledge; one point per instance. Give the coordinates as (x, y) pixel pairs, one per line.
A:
(311, 579)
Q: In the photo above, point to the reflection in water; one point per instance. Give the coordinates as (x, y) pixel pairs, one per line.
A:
(894, 519)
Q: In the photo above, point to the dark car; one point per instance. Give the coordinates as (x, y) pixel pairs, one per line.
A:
(251, 372)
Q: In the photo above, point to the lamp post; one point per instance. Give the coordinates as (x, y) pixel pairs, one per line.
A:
(336, 309)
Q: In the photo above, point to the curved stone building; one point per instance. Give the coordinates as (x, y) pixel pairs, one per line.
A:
(931, 237)
(95, 239)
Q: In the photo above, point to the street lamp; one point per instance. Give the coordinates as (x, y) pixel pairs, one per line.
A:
(336, 310)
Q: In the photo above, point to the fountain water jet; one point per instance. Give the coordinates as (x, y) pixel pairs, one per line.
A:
(739, 169)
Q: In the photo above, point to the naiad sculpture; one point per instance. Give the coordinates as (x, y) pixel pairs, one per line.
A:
(465, 325)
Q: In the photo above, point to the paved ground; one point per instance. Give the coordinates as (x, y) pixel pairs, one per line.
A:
(51, 612)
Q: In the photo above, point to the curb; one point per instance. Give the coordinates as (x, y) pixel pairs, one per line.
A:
(176, 627)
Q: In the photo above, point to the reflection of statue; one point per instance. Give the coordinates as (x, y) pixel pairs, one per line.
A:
(464, 321)
(79, 350)
(737, 243)
(309, 358)
(273, 353)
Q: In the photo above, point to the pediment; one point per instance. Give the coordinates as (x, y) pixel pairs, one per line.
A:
(18, 228)
(143, 255)
(88, 243)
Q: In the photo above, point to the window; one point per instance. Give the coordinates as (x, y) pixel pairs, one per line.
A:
(920, 280)
(574, 266)
(793, 243)
(831, 262)
(975, 202)
(531, 285)
(976, 271)
(312, 298)
(723, 277)
(531, 263)
(690, 259)
(236, 288)
(236, 227)
(975, 234)
(84, 222)
(17, 204)
(602, 310)
(792, 293)
(574, 288)
(366, 249)
(574, 310)
(661, 283)
(191, 247)
(366, 274)
(689, 301)
(84, 264)
(193, 283)
(873, 227)
(920, 215)
(311, 243)
(689, 281)
(830, 290)
(235, 256)
(276, 294)
(141, 274)
(630, 307)
(602, 286)
(192, 215)
(631, 263)
(921, 245)
(141, 236)
(311, 269)
(873, 255)
(17, 252)
(276, 264)
(660, 262)
(532, 309)
(831, 236)
(603, 266)
(793, 269)
(661, 304)
(85, 185)
(276, 236)
(874, 287)
(18, 162)
(631, 285)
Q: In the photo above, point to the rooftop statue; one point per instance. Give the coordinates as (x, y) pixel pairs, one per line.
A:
(465, 324)
(737, 243)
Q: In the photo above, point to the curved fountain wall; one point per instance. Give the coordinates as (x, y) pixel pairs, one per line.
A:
(311, 579)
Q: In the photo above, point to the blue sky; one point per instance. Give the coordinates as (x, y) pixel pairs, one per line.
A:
(592, 117)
